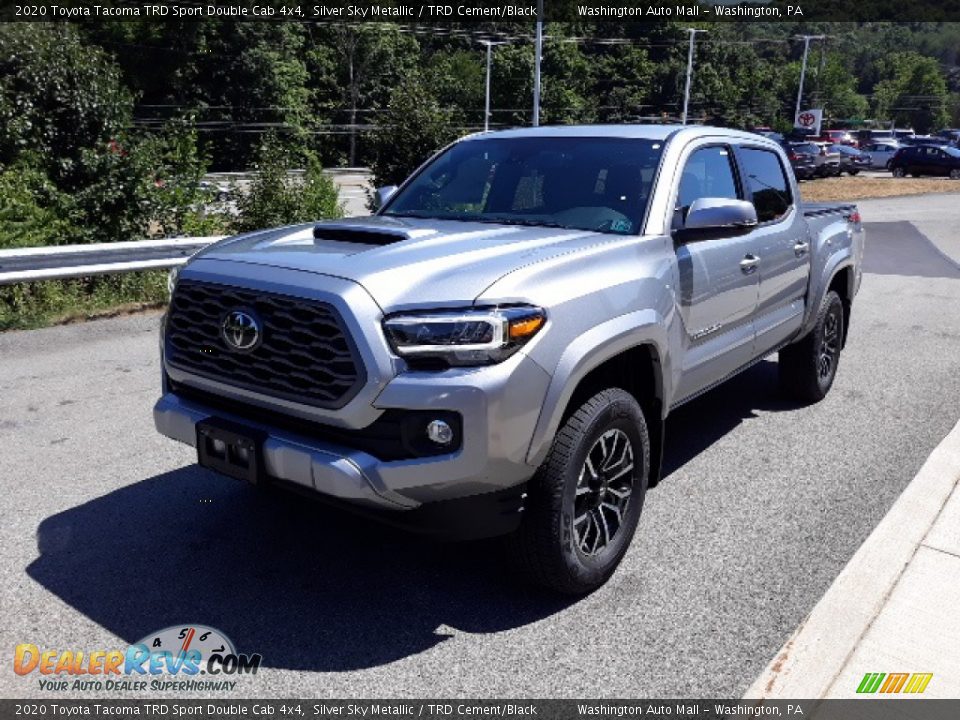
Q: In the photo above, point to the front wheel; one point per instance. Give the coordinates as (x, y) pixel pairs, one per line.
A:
(809, 366)
(955, 174)
(898, 172)
(585, 500)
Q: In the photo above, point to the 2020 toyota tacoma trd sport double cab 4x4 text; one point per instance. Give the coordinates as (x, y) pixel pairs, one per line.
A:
(494, 352)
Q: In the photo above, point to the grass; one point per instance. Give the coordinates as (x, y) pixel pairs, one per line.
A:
(859, 187)
(25, 306)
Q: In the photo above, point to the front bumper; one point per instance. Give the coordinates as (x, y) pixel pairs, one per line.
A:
(499, 406)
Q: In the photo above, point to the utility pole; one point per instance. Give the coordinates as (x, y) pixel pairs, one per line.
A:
(803, 67)
(486, 106)
(536, 65)
(686, 91)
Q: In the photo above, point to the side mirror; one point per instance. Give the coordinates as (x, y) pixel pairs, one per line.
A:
(717, 217)
(384, 193)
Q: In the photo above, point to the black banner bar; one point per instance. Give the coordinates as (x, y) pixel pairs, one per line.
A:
(875, 708)
(486, 11)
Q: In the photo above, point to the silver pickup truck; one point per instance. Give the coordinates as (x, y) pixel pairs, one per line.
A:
(495, 351)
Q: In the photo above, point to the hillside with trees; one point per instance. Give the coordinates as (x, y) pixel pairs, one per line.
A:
(106, 128)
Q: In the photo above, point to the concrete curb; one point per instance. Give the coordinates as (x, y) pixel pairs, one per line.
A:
(815, 655)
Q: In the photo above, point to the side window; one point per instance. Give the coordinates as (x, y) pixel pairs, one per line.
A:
(708, 173)
(768, 184)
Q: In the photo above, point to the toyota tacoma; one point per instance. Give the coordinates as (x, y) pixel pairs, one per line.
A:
(496, 349)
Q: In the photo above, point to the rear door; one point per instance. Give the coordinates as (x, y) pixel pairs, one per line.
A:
(718, 282)
(781, 243)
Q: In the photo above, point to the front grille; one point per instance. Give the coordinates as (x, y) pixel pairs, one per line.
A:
(304, 353)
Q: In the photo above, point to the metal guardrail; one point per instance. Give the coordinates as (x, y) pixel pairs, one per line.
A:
(55, 262)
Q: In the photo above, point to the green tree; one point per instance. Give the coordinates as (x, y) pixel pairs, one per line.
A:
(65, 112)
(275, 198)
(412, 128)
(373, 59)
(913, 92)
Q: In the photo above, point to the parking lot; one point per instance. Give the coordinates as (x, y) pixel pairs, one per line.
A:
(112, 532)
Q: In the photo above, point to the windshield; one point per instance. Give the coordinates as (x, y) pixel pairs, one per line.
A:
(583, 183)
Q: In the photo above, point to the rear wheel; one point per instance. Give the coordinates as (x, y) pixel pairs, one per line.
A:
(585, 500)
(809, 366)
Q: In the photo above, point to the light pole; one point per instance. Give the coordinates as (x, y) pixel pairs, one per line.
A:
(803, 67)
(486, 106)
(536, 65)
(686, 91)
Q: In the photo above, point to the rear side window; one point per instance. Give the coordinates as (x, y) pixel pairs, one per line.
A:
(767, 181)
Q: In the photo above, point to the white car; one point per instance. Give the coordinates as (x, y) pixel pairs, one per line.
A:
(881, 153)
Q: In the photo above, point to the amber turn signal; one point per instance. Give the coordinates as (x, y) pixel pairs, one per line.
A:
(525, 327)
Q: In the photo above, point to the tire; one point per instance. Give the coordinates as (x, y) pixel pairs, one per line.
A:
(809, 366)
(955, 174)
(578, 524)
(898, 172)
(853, 172)
(887, 166)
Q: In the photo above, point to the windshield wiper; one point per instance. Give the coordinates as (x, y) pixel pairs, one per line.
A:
(525, 222)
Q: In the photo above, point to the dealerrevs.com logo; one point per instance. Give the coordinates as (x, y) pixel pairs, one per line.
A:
(171, 660)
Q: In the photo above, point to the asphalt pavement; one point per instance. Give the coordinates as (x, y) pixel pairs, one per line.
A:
(111, 532)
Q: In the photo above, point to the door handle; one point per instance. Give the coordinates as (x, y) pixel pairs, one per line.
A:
(749, 264)
(801, 247)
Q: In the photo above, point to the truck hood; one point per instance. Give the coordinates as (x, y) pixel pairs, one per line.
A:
(403, 262)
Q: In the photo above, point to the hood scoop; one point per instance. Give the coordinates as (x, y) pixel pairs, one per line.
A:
(363, 235)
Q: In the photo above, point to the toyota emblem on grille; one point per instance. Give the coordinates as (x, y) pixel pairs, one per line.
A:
(240, 330)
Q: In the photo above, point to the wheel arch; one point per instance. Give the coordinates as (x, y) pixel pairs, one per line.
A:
(637, 365)
(844, 284)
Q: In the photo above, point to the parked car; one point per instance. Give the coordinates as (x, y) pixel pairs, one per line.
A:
(951, 135)
(839, 137)
(881, 153)
(497, 349)
(852, 161)
(917, 160)
(867, 137)
(802, 160)
(922, 140)
(218, 191)
(828, 161)
(901, 133)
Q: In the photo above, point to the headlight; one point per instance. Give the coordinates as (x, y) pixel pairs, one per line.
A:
(172, 279)
(465, 337)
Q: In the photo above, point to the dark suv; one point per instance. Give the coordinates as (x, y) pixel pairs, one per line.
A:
(802, 158)
(926, 160)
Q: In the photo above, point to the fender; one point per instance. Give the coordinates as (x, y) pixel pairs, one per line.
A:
(837, 262)
(589, 351)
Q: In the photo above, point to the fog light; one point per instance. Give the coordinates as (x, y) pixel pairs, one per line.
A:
(440, 432)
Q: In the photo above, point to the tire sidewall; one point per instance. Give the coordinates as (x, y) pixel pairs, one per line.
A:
(831, 305)
(624, 414)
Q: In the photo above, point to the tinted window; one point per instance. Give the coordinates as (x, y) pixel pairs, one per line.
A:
(708, 173)
(589, 183)
(765, 178)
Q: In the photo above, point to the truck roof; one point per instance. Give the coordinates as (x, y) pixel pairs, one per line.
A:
(646, 132)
